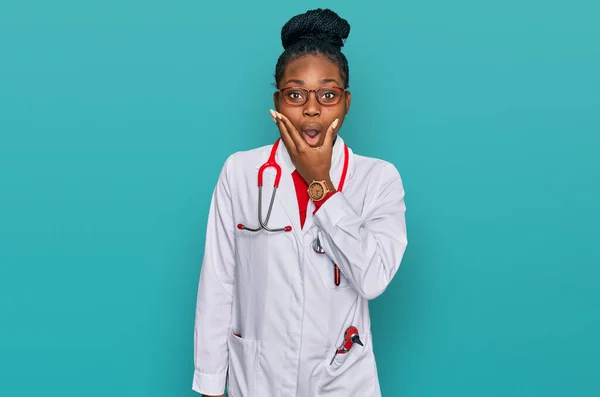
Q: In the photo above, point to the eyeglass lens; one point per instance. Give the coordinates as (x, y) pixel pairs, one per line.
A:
(299, 96)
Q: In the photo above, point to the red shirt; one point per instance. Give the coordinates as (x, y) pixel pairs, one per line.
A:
(303, 198)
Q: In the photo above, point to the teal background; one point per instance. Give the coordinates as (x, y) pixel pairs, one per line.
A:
(116, 116)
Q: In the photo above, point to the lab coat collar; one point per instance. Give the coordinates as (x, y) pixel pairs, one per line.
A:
(286, 194)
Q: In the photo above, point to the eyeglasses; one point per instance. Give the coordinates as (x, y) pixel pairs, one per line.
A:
(298, 96)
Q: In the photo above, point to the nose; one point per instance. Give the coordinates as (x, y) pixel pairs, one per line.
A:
(312, 107)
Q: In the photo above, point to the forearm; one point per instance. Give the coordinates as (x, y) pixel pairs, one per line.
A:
(368, 249)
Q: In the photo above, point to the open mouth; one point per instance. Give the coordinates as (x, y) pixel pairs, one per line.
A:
(311, 135)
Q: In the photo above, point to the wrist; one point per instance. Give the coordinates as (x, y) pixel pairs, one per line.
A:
(319, 189)
(320, 176)
(329, 184)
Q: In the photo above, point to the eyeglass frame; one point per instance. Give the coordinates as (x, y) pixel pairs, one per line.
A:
(342, 91)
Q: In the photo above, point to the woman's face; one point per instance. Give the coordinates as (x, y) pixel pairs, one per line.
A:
(312, 119)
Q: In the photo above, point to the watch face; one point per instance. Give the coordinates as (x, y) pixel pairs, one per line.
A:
(316, 191)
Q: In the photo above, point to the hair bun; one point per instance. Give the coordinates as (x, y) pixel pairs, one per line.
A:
(320, 24)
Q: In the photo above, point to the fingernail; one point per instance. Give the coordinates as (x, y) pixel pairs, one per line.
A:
(279, 115)
(335, 123)
(273, 115)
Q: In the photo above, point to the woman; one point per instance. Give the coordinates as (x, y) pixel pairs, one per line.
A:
(285, 312)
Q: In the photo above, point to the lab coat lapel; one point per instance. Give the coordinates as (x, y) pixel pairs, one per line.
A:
(286, 194)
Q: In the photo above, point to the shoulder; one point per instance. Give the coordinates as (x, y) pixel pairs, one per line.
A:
(381, 180)
(377, 169)
(244, 160)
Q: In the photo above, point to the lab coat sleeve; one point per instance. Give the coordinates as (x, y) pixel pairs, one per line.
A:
(215, 292)
(369, 247)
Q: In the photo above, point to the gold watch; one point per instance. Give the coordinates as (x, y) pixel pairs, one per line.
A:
(317, 190)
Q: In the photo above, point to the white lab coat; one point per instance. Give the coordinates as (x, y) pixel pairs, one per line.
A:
(274, 291)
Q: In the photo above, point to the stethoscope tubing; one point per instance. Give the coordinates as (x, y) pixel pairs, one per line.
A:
(272, 163)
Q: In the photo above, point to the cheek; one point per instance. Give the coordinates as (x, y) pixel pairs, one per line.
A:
(293, 114)
(337, 113)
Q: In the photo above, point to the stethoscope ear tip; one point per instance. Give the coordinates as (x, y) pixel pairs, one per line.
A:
(288, 228)
(240, 226)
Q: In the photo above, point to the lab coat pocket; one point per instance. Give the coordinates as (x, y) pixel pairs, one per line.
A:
(339, 360)
(349, 374)
(243, 366)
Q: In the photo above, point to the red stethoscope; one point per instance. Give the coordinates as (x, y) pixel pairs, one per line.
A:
(271, 162)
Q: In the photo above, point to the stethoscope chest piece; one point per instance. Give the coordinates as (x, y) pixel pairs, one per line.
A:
(317, 246)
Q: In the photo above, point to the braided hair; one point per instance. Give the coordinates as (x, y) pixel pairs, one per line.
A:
(319, 31)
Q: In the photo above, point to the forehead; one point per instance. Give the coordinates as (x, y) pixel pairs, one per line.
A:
(312, 69)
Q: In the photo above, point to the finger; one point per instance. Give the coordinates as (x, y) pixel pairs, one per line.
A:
(330, 134)
(293, 132)
(273, 115)
(285, 136)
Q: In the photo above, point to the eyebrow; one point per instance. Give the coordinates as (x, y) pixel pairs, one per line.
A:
(301, 82)
(322, 81)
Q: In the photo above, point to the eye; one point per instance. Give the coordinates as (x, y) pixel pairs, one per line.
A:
(295, 95)
(329, 95)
